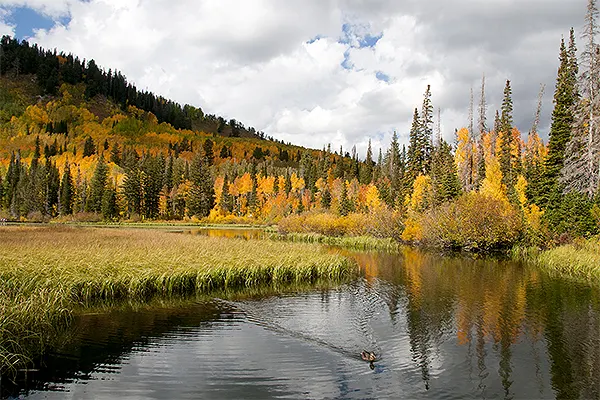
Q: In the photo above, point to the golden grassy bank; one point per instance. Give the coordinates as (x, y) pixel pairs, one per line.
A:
(579, 260)
(46, 272)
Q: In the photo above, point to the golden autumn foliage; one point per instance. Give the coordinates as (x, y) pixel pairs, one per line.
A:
(420, 198)
(492, 185)
(382, 223)
(474, 221)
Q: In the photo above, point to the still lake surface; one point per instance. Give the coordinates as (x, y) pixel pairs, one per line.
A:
(443, 327)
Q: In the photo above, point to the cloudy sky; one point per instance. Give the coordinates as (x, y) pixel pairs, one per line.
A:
(314, 72)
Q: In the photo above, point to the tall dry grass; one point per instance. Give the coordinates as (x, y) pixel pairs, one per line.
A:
(46, 272)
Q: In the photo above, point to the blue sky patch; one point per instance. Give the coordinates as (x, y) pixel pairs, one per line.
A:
(347, 64)
(27, 20)
(382, 77)
(349, 33)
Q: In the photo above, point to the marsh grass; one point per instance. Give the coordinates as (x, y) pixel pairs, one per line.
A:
(47, 272)
(579, 260)
(349, 242)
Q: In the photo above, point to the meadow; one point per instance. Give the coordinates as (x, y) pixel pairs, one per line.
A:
(49, 273)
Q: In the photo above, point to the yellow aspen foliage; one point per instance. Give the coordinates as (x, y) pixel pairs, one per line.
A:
(281, 183)
(297, 183)
(488, 143)
(419, 200)
(320, 184)
(372, 200)
(244, 184)
(413, 229)
(492, 184)
(533, 217)
(265, 186)
(218, 187)
(520, 188)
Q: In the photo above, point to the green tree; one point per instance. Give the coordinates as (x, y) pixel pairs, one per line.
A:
(88, 147)
(110, 208)
(560, 129)
(66, 192)
(505, 137)
(201, 198)
(97, 186)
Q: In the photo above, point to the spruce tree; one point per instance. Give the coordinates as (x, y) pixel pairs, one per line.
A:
(110, 209)
(201, 196)
(66, 192)
(416, 152)
(426, 130)
(560, 129)
(97, 186)
(88, 147)
(505, 137)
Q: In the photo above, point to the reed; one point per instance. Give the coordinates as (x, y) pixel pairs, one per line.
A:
(349, 242)
(47, 272)
(579, 260)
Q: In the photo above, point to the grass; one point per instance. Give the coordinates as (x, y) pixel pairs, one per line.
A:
(579, 260)
(350, 242)
(47, 272)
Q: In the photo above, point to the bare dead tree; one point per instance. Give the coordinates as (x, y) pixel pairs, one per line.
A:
(581, 169)
(481, 123)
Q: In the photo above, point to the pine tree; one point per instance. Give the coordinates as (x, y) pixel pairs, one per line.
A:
(209, 152)
(367, 171)
(426, 130)
(97, 186)
(110, 208)
(88, 147)
(416, 155)
(202, 196)
(560, 129)
(52, 182)
(505, 137)
(66, 192)
(444, 178)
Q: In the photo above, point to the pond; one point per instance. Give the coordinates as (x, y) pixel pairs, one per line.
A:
(441, 327)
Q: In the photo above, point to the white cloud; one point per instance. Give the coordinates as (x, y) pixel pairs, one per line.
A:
(277, 65)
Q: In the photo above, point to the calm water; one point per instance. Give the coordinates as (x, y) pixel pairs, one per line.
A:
(442, 328)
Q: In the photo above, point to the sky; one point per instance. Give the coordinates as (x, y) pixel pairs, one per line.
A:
(318, 72)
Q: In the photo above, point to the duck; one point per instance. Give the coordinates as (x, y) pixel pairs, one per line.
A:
(368, 356)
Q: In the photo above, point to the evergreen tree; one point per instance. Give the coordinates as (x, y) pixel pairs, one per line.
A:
(416, 156)
(366, 174)
(426, 130)
(209, 152)
(444, 177)
(505, 137)
(201, 196)
(88, 147)
(560, 129)
(110, 209)
(52, 181)
(97, 186)
(133, 191)
(115, 154)
(326, 198)
(345, 205)
(66, 192)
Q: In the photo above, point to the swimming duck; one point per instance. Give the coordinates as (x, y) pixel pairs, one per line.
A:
(368, 356)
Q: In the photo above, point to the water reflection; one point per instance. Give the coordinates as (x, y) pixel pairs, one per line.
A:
(442, 327)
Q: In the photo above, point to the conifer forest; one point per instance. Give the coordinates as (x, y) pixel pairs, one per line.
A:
(80, 143)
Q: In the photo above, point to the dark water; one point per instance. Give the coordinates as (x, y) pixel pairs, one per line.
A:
(442, 328)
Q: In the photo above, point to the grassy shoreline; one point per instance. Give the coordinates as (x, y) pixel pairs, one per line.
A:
(578, 261)
(47, 272)
(349, 242)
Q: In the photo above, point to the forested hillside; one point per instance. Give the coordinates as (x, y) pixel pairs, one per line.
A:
(77, 142)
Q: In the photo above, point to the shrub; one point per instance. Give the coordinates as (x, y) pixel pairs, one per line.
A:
(382, 223)
(474, 221)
